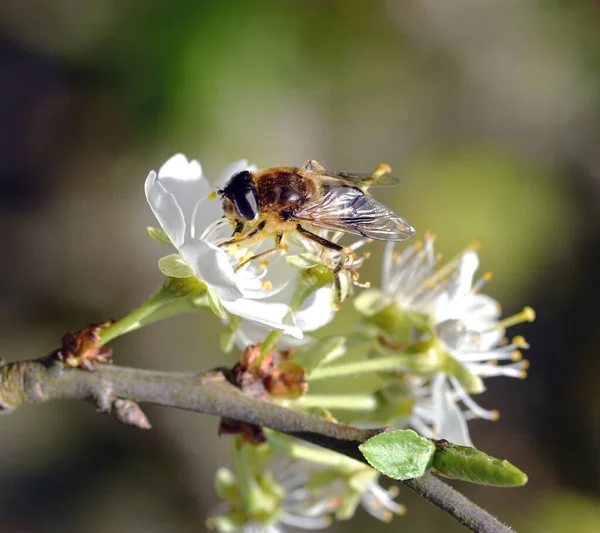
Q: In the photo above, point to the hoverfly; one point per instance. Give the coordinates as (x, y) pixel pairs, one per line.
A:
(282, 200)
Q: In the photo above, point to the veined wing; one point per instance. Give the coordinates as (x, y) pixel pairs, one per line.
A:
(350, 210)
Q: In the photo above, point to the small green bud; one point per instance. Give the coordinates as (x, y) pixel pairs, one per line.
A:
(401, 454)
(225, 486)
(174, 266)
(470, 464)
(159, 236)
(370, 302)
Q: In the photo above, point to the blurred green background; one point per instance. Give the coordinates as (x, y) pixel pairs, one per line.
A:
(489, 111)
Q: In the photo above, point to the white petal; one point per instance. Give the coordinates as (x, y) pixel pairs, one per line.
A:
(250, 333)
(165, 209)
(461, 284)
(211, 264)
(205, 212)
(274, 315)
(449, 422)
(316, 310)
(179, 168)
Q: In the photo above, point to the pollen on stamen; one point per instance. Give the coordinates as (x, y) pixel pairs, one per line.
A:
(264, 265)
(520, 342)
(495, 415)
(527, 315)
(516, 355)
(481, 282)
(245, 257)
(212, 195)
(429, 236)
(396, 257)
(476, 244)
(267, 285)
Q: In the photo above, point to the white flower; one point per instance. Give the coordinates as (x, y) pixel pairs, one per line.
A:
(181, 199)
(305, 506)
(466, 324)
(314, 313)
(436, 413)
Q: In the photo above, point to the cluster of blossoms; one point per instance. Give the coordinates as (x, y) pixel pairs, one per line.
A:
(428, 339)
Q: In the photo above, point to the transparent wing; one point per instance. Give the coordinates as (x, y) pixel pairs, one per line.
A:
(352, 211)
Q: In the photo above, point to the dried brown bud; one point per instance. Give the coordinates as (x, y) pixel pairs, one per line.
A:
(250, 433)
(274, 375)
(80, 349)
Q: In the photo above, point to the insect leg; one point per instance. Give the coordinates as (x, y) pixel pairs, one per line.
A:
(263, 255)
(331, 246)
(247, 237)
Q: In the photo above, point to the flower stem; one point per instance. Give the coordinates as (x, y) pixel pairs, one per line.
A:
(175, 297)
(321, 456)
(346, 402)
(381, 364)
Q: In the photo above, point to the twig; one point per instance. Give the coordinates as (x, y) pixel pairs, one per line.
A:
(117, 390)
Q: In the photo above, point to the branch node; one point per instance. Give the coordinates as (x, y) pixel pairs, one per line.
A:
(131, 413)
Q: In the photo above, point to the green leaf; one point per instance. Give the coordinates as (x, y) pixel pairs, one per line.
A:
(159, 236)
(175, 267)
(469, 464)
(215, 304)
(401, 454)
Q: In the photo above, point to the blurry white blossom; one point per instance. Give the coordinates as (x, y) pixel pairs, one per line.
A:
(469, 334)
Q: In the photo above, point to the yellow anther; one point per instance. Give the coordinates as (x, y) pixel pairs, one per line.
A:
(429, 236)
(503, 341)
(396, 257)
(527, 315)
(438, 256)
(418, 245)
(516, 355)
(488, 276)
(212, 195)
(476, 245)
(264, 265)
(381, 170)
(245, 257)
(367, 285)
(267, 285)
(525, 364)
(520, 341)
(495, 415)
(367, 255)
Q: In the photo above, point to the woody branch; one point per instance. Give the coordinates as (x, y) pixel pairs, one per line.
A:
(117, 390)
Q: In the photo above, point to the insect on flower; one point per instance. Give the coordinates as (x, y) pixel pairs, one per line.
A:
(274, 202)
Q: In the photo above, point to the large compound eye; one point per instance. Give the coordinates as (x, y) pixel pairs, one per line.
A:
(245, 203)
(241, 191)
